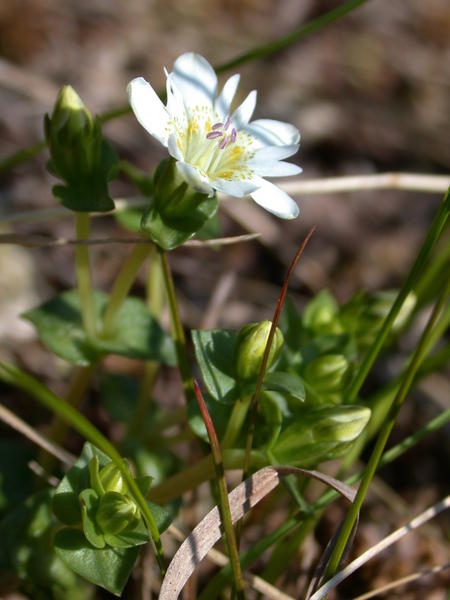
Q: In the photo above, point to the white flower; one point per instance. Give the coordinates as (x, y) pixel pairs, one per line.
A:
(216, 150)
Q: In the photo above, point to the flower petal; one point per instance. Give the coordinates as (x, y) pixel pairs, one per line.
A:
(234, 188)
(274, 169)
(148, 108)
(175, 105)
(273, 199)
(273, 153)
(174, 148)
(196, 79)
(223, 102)
(244, 112)
(194, 178)
(268, 132)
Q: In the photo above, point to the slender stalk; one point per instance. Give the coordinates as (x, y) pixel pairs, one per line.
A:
(425, 251)
(123, 285)
(236, 421)
(154, 294)
(83, 271)
(14, 376)
(177, 330)
(224, 505)
(386, 429)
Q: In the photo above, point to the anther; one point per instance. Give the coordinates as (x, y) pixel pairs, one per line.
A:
(217, 126)
(213, 135)
(227, 123)
(223, 143)
(233, 135)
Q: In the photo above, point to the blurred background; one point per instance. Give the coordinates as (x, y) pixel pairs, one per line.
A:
(369, 94)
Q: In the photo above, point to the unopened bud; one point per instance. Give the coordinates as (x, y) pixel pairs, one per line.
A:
(340, 423)
(116, 513)
(112, 479)
(328, 373)
(250, 347)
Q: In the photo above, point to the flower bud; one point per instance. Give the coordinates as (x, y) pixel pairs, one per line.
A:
(116, 513)
(328, 374)
(112, 479)
(340, 423)
(320, 315)
(70, 116)
(250, 347)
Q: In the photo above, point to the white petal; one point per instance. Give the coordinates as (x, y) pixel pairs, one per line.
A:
(273, 153)
(276, 201)
(223, 102)
(244, 112)
(234, 188)
(194, 178)
(174, 149)
(196, 79)
(148, 108)
(274, 169)
(175, 104)
(268, 132)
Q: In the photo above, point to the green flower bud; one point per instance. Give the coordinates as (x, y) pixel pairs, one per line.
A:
(340, 424)
(116, 513)
(250, 347)
(320, 315)
(79, 155)
(112, 479)
(328, 373)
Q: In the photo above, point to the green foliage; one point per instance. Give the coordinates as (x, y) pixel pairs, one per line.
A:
(105, 526)
(79, 155)
(136, 335)
(177, 211)
(27, 552)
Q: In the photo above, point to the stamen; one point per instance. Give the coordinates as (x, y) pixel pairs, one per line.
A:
(227, 123)
(217, 126)
(233, 135)
(213, 135)
(223, 143)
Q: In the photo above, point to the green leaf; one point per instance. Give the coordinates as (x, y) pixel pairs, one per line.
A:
(214, 351)
(89, 501)
(170, 231)
(106, 567)
(285, 382)
(220, 414)
(137, 334)
(66, 504)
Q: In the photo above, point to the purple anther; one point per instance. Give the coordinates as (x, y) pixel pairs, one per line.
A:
(223, 143)
(233, 135)
(212, 135)
(227, 123)
(217, 126)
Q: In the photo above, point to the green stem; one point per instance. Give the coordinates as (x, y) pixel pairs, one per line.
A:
(122, 286)
(83, 271)
(177, 330)
(14, 376)
(202, 471)
(425, 251)
(385, 431)
(235, 423)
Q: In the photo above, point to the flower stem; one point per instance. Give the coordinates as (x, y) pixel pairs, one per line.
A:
(70, 415)
(177, 330)
(385, 431)
(122, 286)
(83, 271)
(237, 418)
